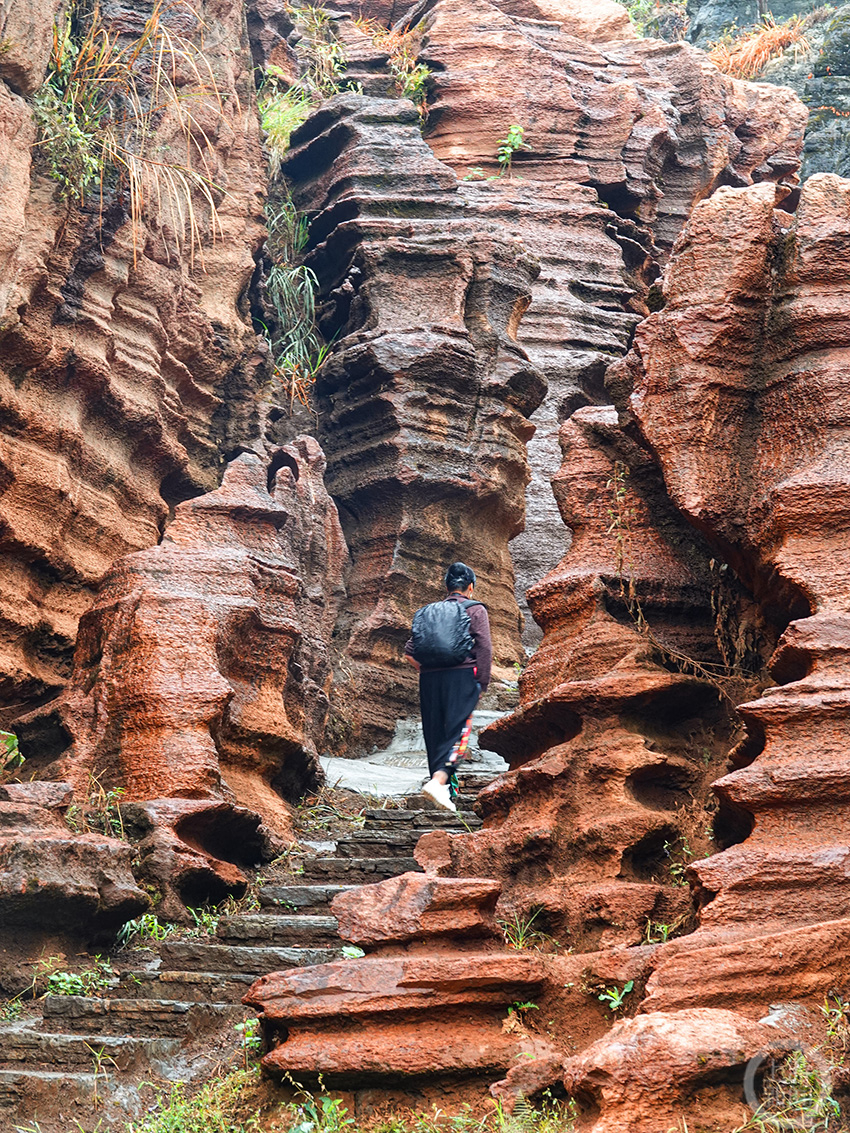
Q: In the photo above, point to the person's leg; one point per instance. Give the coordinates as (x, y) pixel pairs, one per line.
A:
(459, 695)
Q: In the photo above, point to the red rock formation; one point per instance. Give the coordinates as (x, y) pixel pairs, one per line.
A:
(405, 1017)
(648, 1074)
(423, 405)
(203, 670)
(415, 907)
(610, 747)
(53, 880)
(125, 372)
(624, 138)
(747, 359)
(738, 386)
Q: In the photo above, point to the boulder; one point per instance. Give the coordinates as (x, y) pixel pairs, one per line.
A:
(414, 906)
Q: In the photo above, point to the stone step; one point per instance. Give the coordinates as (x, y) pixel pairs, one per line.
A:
(423, 820)
(17, 1087)
(291, 898)
(194, 987)
(365, 870)
(396, 843)
(277, 928)
(142, 1016)
(23, 1044)
(190, 955)
(58, 1101)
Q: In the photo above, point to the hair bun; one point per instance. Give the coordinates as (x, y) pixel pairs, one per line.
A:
(459, 577)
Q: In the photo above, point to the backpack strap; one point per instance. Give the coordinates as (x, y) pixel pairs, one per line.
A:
(467, 602)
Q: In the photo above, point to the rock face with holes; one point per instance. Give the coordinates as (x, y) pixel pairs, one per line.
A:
(53, 880)
(203, 670)
(125, 371)
(612, 747)
(424, 403)
(772, 483)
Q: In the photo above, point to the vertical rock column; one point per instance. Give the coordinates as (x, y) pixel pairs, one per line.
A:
(749, 362)
(611, 746)
(423, 406)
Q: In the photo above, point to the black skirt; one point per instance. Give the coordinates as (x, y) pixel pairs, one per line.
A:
(447, 698)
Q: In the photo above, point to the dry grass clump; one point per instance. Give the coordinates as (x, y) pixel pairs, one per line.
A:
(745, 56)
(125, 115)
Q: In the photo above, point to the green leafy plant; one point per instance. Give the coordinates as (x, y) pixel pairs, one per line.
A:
(665, 19)
(658, 933)
(615, 996)
(409, 76)
(100, 813)
(796, 1095)
(146, 927)
(679, 854)
(205, 921)
(352, 952)
(509, 146)
(98, 112)
(10, 754)
(297, 349)
(285, 105)
(223, 1105)
(91, 981)
(11, 1010)
(519, 931)
(251, 1037)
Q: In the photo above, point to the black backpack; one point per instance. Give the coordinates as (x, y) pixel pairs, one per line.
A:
(442, 634)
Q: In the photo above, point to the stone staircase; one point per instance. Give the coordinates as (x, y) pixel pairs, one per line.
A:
(171, 1007)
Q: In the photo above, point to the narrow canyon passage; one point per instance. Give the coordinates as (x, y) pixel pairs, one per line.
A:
(299, 306)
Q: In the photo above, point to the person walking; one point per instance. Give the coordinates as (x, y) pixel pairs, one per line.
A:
(450, 647)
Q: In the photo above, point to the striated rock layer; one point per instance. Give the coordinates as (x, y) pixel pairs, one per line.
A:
(424, 403)
(203, 670)
(738, 384)
(748, 358)
(612, 746)
(623, 138)
(126, 372)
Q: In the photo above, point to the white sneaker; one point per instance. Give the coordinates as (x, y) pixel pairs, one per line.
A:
(440, 793)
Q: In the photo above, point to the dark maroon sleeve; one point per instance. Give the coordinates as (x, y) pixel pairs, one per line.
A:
(480, 626)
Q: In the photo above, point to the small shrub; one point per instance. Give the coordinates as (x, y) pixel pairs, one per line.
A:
(88, 982)
(99, 108)
(100, 813)
(519, 931)
(206, 922)
(509, 146)
(664, 19)
(796, 1096)
(297, 349)
(409, 76)
(223, 1105)
(146, 927)
(614, 997)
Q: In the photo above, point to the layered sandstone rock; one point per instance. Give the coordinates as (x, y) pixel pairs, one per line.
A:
(415, 907)
(611, 747)
(623, 139)
(404, 1017)
(747, 360)
(203, 670)
(423, 404)
(651, 1073)
(53, 879)
(126, 371)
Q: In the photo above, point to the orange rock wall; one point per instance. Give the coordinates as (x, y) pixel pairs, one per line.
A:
(122, 383)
